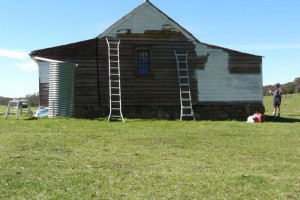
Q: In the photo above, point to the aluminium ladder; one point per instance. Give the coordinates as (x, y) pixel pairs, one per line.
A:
(115, 105)
(184, 85)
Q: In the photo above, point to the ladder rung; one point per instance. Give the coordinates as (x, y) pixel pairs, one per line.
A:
(116, 108)
(114, 74)
(188, 115)
(116, 101)
(184, 84)
(182, 61)
(185, 92)
(115, 80)
(186, 107)
(185, 99)
(183, 77)
(115, 94)
(114, 87)
(114, 116)
(181, 54)
(114, 55)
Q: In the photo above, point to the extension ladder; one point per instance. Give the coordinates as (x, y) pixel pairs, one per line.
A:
(184, 85)
(115, 105)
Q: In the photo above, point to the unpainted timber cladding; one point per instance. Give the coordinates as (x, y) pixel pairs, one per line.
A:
(44, 94)
(84, 54)
(161, 87)
(77, 50)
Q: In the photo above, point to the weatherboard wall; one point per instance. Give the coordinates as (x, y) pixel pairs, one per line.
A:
(229, 76)
(213, 78)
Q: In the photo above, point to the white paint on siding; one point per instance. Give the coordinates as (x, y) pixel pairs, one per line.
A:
(138, 21)
(216, 84)
(201, 49)
(44, 72)
(145, 18)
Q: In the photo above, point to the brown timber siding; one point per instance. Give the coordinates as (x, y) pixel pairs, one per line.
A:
(161, 88)
(44, 94)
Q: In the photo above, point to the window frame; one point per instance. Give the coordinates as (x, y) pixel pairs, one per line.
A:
(136, 61)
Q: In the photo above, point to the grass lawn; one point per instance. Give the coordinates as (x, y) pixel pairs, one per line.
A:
(150, 159)
(290, 106)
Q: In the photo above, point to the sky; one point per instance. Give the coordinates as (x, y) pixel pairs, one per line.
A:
(269, 28)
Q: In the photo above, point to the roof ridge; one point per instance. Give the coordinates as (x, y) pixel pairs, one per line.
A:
(180, 28)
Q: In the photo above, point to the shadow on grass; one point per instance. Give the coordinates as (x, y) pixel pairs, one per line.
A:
(31, 118)
(269, 118)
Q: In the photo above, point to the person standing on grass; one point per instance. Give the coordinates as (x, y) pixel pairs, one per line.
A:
(277, 99)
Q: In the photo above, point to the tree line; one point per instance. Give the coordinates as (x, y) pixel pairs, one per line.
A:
(33, 99)
(287, 88)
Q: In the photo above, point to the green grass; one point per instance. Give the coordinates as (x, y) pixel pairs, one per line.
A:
(148, 159)
(289, 105)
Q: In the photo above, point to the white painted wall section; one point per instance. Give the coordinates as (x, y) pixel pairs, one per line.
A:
(138, 21)
(216, 84)
(44, 71)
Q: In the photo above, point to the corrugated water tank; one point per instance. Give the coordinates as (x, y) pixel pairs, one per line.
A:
(61, 89)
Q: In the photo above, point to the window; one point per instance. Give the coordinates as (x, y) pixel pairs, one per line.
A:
(143, 61)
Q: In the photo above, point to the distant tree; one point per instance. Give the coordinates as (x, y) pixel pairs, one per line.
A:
(296, 84)
(33, 98)
(288, 88)
(4, 100)
(266, 90)
(297, 81)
